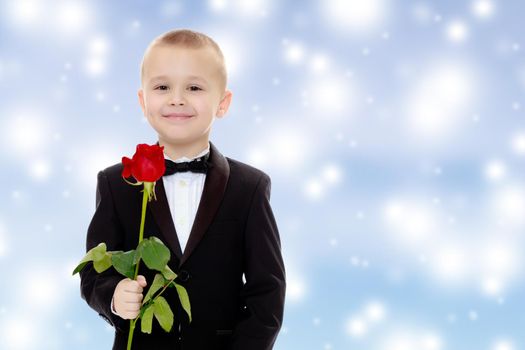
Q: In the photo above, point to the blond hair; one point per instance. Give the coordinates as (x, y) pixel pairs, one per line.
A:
(187, 38)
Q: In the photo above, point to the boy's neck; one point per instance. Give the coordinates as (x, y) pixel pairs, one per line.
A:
(176, 151)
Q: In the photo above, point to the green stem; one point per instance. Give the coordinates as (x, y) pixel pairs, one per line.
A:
(132, 323)
(161, 291)
(145, 197)
(130, 335)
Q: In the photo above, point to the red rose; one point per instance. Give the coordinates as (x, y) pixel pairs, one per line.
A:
(147, 164)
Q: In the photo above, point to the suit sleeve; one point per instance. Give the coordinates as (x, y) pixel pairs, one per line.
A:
(97, 288)
(264, 290)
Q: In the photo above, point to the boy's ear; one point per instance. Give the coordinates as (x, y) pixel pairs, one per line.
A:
(141, 100)
(224, 104)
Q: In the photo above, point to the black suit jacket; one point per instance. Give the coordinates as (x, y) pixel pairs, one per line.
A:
(234, 232)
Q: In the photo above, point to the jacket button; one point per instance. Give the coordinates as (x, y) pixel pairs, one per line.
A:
(184, 275)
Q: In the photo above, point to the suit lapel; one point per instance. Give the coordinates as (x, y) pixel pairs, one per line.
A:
(214, 188)
(213, 191)
(162, 215)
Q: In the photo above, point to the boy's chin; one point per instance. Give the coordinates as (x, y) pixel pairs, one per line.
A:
(173, 140)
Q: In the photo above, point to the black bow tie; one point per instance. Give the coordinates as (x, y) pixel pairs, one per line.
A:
(198, 165)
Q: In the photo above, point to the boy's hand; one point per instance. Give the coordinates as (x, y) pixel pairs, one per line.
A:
(127, 298)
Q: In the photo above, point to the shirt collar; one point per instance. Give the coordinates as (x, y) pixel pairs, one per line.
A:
(186, 159)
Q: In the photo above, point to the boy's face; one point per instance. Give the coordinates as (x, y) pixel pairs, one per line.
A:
(182, 92)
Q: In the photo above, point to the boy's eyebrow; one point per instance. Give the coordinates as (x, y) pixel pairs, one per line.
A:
(190, 77)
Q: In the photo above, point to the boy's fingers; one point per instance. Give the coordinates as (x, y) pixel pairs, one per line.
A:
(134, 288)
(142, 281)
(134, 298)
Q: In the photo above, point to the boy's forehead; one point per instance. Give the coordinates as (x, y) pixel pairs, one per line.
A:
(196, 62)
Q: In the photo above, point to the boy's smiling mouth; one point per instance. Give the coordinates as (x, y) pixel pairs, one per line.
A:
(178, 116)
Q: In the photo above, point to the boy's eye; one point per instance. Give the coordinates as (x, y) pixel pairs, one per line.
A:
(161, 87)
(195, 88)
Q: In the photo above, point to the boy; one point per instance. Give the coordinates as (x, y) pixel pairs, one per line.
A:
(218, 223)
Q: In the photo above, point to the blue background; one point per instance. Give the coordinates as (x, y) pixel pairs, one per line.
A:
(393, 131)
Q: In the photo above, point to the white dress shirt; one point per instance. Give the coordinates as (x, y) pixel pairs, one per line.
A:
(184, 191)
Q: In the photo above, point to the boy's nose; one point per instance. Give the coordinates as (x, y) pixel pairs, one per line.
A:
(177, 98)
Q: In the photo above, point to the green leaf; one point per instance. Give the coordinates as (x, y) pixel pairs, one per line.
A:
(184, 299)
(146, 320)
(103, 263)
(168, 273)
(80, 266)
(163, 313)
(97, 251)
(123, 262)
(154, 253)
(158, 283)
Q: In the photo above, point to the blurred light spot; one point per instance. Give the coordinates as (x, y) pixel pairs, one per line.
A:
(25, 133)
(94, 160)
(499, 258)
(450, 263)
(356, 327)
(503, 345)
(331, 174)
(294, 53)
(518, 143)
(508, 205)
(20, 333)
(375, 312)
(330, 99)
(438, 102)
(72, 17)
(95, 66)
(411, 221)
(252, 8)
(399, 342)
(314, 189)
(98, 46)
(409, 338)
(24, 12)
(217, 5)
(495, 170)
(232, 50)
(257, 157)
(43, 290)
(483, 8)
(288, 146)
(295, 289)
(492, 286)
(457, 31)
(355, 16)
(40, 169)
(430, 342)
(319, 63)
